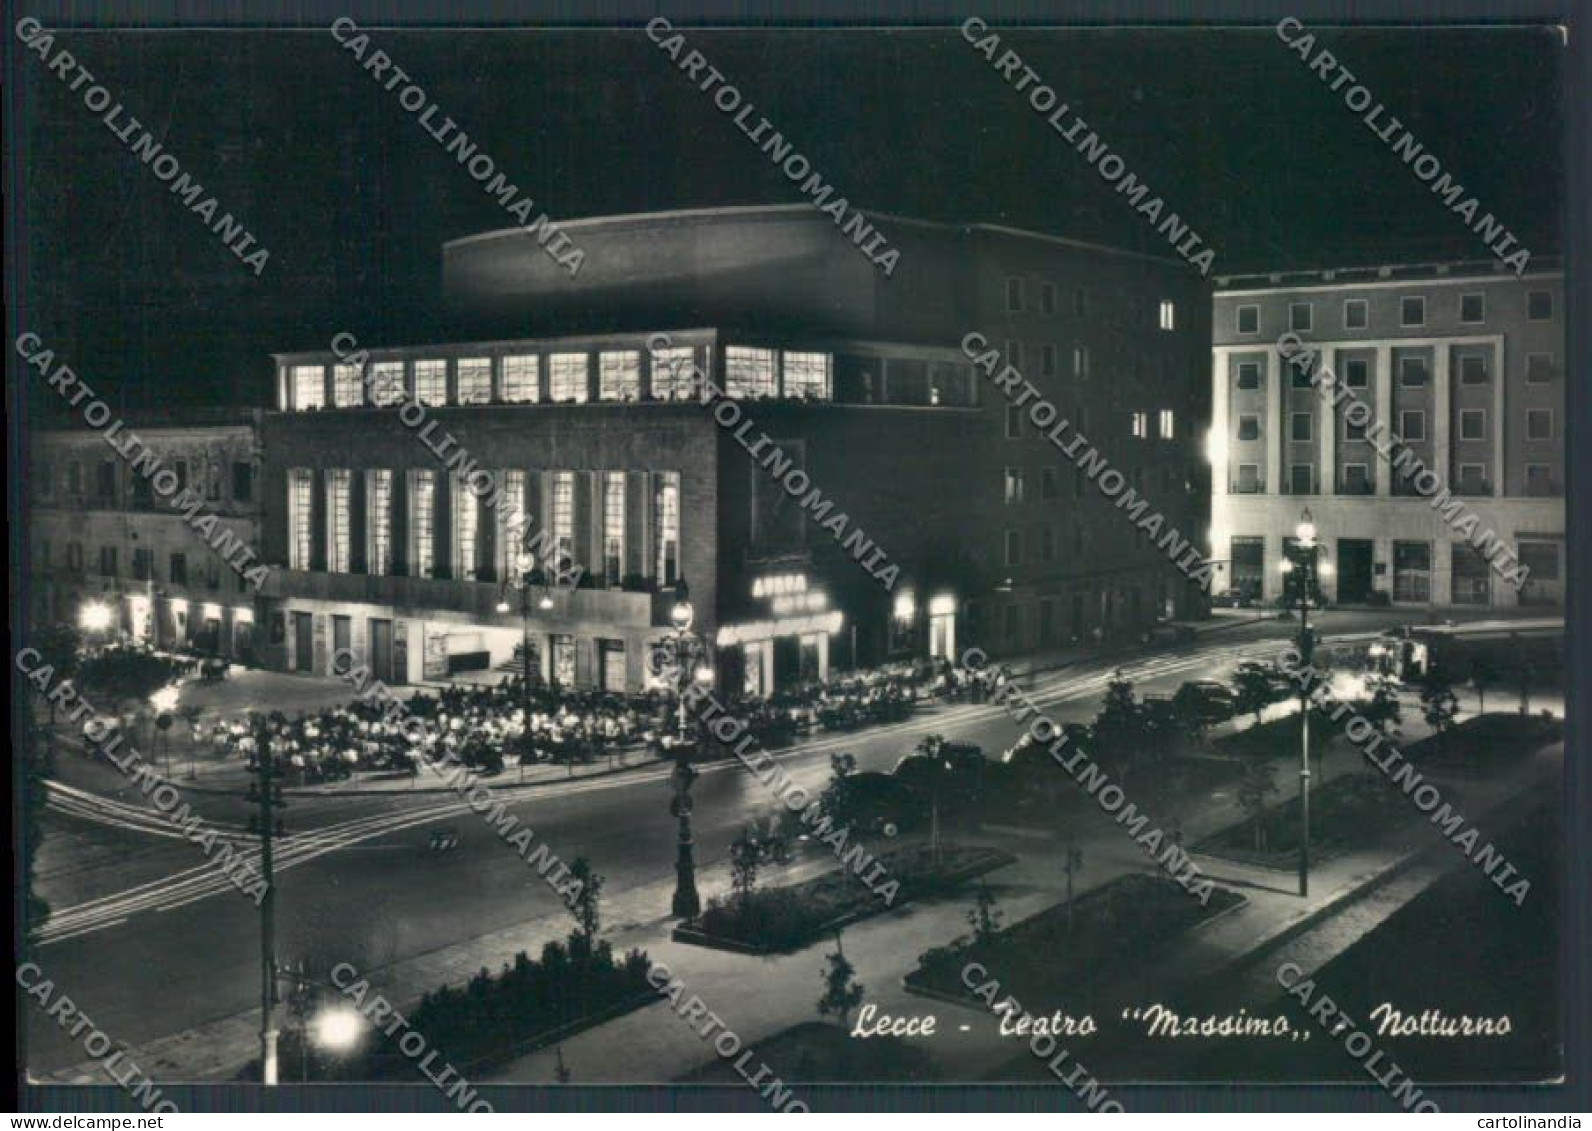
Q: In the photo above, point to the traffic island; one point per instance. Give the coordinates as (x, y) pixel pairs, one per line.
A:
(781, 920)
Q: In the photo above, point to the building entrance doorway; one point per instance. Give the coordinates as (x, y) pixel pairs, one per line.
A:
(303, 642)
(1355, 556)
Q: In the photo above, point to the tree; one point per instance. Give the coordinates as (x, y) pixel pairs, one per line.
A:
(1252, 689)
(1072, 864)
(58, 646)
(37, 751)
(586, 907)
(1439, 705)
(1254, 787)
(1121, 730)
(842, 992)
(749, 853)
(1383, 709)
(985, 917)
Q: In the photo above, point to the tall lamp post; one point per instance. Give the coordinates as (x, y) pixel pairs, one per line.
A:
(1302, 569)
(527, 579)
(681, 658)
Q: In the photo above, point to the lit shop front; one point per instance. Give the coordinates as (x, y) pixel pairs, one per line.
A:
(791, 646)
(909, 620)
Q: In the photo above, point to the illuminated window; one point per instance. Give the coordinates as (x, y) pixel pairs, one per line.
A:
(1080, 361)
(386, 383)
(748, 372)
(309, 386)
(1168, 424)
(378, 521)
(807, 375)
(338, 522)
(422, 519)
(1141, 425)
(346, 390)
(668, 527)
(431, 382)
(672, 372)
(300, 510)
(567, 372)
(511, 521)
(466, 525)
(614, 526)
(619, 375)
(1014, 485)
(522, 379)
(475, 380)
(562, 525)
(1168, 314)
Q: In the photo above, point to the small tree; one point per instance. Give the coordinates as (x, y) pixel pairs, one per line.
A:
(586, 907)
(842, 992)
(58, 646)
(1258, 782)
(1252, 689)
(985, 917)
(1383, 709)
(1439, 705)
(1072, 864)
(749, 853)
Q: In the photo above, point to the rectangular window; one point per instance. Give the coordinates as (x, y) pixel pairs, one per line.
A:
(668, 527)
(339, 521)
(300, 513)
(1412, 424)
(1356, 479)
(1473, 308)
(1047, 360)
(619, 375)
(1412, 571)
(1168, 314)
(143, 563)
(614, 526)
(348, 390)
(1412, 311)
(1014, 294)
(1539, 306)
(1140, 425)
(1080, 302)
(386, 383)
(672, 376)
(1248, 376)
(1473, 479)
(378, 521)
(309, 386)
(1248, 479)
(1047, 298)
(1050, 483)
(1539, 480)
(107, 561)
(1168, 424)
(522, 378)
(1014, 547)
(1353, 430)
(1249, 427)
(475, 380)
(1539, 368)
(1473, 424)
(1014, 485)
(431, 382)
(1539, 424)
(178, 569)
(1473, 369)
(422, 523)
(1014, 422)
(105, 478)
(807, 375)
(1356, 373)
(1301, 373)
(1249, 319)
(1412, 372)
(1356, 314)
(567, 378)
(466, 528)
(1301, 479)
(1299, 426)
(1080, 361)
(1014, 354)
(1300, 316)
(748, 372)
(563, 659)
(512, 525)
(561, 523)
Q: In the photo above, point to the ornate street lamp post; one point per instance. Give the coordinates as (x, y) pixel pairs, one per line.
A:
(1302, 567)
(527, 578)
(681, 658)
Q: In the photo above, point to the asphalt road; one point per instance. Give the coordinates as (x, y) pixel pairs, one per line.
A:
(150, 941)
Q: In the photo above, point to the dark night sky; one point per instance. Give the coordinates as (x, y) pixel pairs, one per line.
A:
(353, 199)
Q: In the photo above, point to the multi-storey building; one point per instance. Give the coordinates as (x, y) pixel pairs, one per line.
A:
(105, 531)
(1463, 363)
(572, 398)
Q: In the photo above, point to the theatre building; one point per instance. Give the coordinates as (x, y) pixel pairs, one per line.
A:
(116, 549)
(860, 493)
(1462, 361)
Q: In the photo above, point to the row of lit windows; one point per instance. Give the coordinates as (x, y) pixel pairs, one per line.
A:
(1412, 312)
(1413, 371)
(422, 486)
(749, 372)
(1412, 425)
(1017, 301)
(1139, 423)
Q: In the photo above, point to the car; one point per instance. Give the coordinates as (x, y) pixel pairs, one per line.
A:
(1274, 676)
(1232, 599)
(1207, 700)
(1170, 633)
(876, 802)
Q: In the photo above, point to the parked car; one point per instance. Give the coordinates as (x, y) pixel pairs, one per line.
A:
(1233, 599)
(958, 768)
(1275, 677)
(877, 802)
(1207, 700)
(1171, 633)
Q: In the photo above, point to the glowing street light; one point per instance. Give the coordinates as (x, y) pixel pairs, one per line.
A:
(165, 699)
(338, 1028)
(95, 616)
